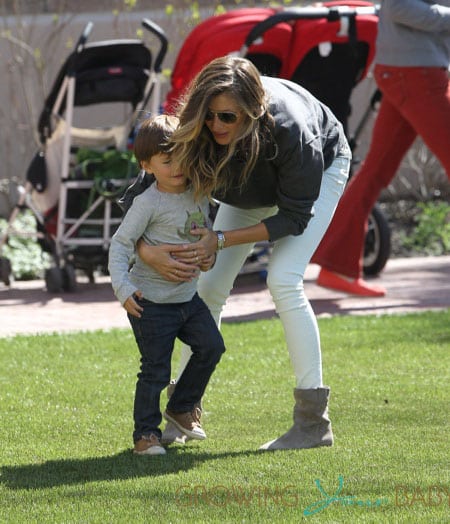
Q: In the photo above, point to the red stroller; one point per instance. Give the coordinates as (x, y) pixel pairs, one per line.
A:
(327, 49)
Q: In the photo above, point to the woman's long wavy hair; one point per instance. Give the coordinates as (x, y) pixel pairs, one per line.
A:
(199, 156)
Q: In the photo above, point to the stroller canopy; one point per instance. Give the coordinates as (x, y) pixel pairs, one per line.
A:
(224, 34)
(106, 71)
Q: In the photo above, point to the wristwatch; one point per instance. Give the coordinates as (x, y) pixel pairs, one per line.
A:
(220, 240)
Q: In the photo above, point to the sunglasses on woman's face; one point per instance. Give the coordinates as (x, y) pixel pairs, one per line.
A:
(227, 117)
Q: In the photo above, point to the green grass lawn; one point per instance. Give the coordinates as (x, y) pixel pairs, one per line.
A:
(66, 423)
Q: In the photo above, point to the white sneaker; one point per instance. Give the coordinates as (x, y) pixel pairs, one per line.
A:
(172, 435)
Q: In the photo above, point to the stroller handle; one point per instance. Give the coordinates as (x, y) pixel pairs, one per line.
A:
(78, 48)
(84, 36)
(288, 15)
(156, 30)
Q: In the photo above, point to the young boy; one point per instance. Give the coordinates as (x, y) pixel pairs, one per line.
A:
(160, 310)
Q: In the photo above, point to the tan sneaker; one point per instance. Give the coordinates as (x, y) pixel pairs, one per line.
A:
(172, 435)
(149, 445)
(188, 423)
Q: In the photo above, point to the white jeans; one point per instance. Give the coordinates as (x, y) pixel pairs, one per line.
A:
(288, 260)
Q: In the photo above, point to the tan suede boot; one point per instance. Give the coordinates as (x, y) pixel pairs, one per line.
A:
(171, 434)
(312, 427)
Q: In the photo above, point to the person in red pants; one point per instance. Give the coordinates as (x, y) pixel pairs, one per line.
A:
(412, 62)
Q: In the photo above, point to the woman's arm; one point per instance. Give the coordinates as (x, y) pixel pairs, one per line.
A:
(417, 14)
(207, 245)
(182, 262)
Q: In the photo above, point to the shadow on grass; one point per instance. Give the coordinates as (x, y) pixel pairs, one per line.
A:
(121, 466)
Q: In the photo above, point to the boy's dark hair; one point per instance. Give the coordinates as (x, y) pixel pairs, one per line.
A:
(153, 136)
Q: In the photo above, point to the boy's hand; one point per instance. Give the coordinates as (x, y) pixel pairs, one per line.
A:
(132, 307)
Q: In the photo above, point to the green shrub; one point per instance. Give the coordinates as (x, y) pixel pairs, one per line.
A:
(431, 233)
(28, 261)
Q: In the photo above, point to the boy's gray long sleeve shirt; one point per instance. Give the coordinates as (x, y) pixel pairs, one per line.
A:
(158, 218)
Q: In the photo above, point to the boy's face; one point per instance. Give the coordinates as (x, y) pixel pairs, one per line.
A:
(169, 180)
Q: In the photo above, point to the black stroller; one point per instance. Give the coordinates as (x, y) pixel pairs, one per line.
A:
(73, 182)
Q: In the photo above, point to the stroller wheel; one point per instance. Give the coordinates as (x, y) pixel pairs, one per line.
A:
(54, 280)
(5, 271)
(377, 247)
(69, 280)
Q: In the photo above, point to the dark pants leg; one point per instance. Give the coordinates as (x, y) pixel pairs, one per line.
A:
(155, 334)
(200, 332)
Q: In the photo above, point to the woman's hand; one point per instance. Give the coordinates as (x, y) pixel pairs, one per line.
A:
(165, 260)
(200, 254)
(206, 245)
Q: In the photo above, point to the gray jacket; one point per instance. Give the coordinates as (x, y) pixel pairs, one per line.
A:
(308, 138)
(413, 33)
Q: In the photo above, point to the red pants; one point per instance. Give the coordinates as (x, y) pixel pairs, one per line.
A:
(416, 101)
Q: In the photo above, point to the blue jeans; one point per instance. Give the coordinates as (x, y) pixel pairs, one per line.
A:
(155, 333)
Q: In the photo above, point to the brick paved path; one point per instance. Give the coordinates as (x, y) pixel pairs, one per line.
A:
(413, 284)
